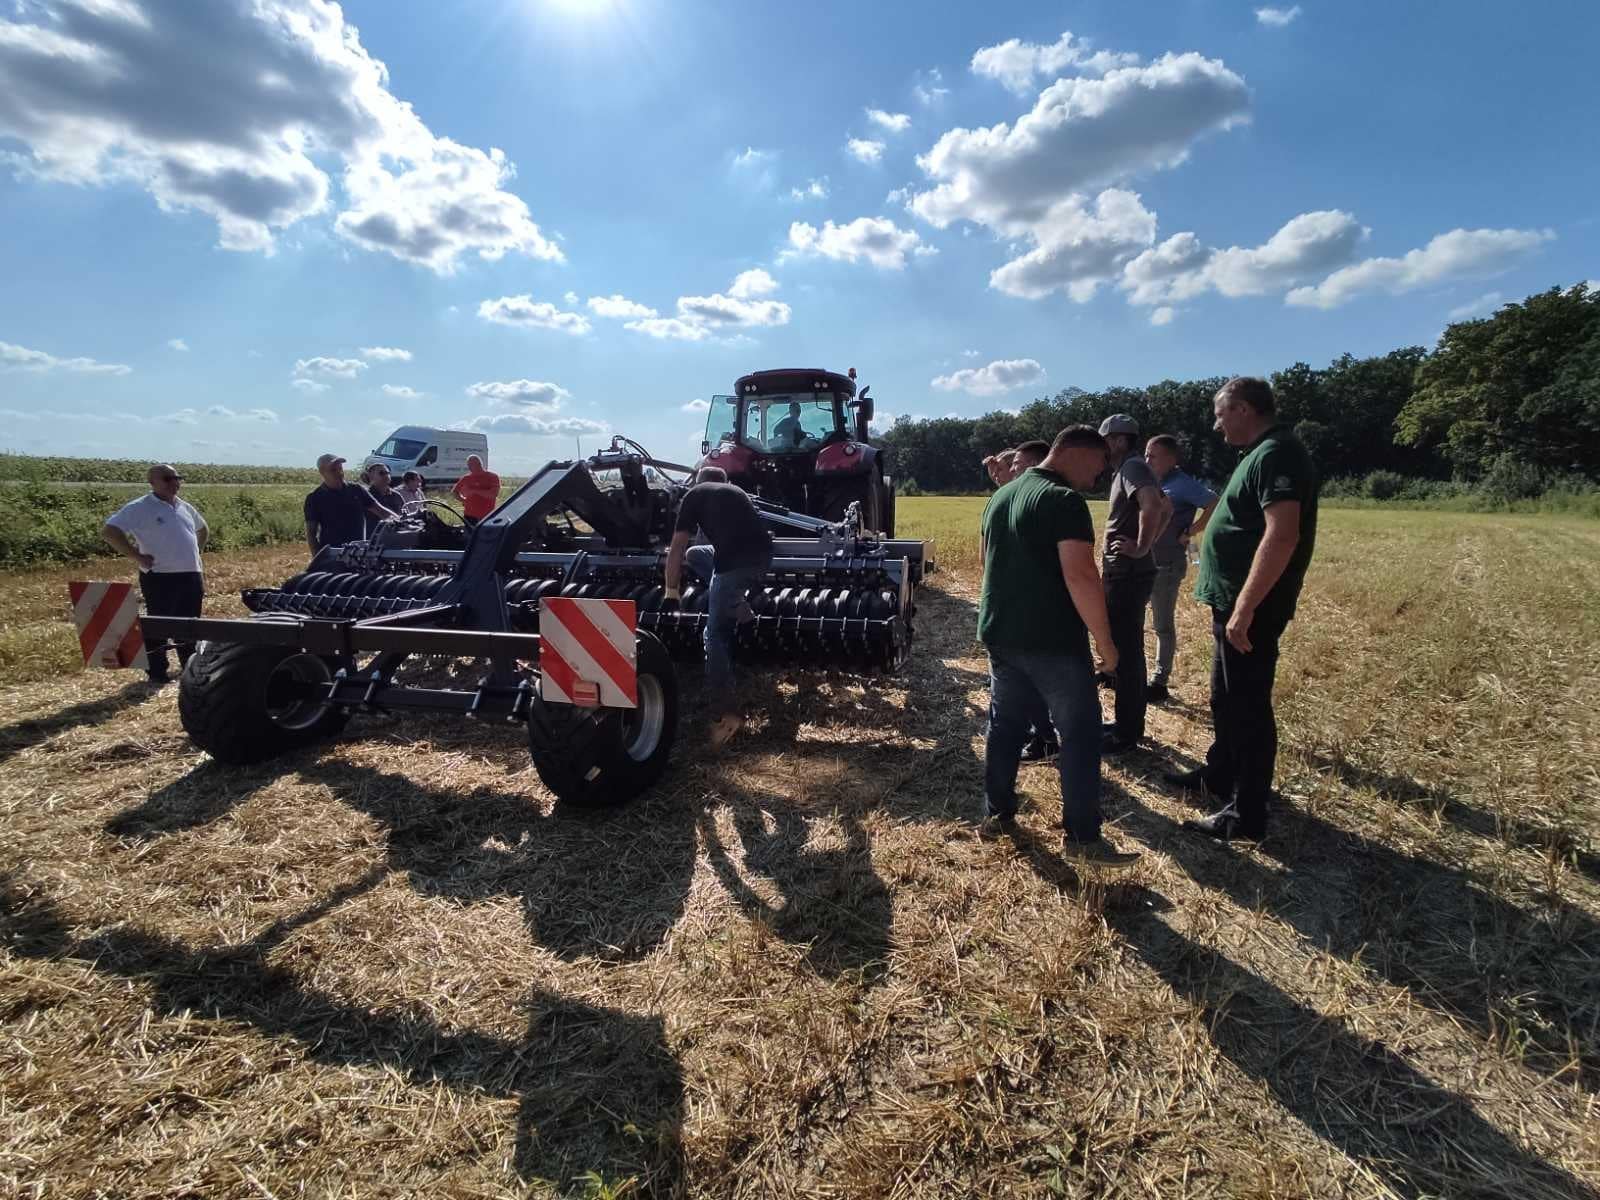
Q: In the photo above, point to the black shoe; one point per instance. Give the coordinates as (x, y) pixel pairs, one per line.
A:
(1105, 679)
(993, 827)
(1097, 854)
(1194, 781)
(1111, 744)
(1226, 826)
(1041, 750)
(1156, 693)
(157, 680)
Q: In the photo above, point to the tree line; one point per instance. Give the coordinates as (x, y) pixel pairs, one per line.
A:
(1509, 401)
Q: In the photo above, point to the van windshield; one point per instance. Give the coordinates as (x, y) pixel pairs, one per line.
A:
(406, 448)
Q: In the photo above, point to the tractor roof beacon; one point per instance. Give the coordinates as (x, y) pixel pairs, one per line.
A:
(799, 437)
(363, 628)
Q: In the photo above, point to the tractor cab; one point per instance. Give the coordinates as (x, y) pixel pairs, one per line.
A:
(799, 437)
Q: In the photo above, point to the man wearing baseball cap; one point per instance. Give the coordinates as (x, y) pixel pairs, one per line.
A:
(337, 511)
(1138, 513)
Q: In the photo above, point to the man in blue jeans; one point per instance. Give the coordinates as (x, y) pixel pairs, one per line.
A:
(1041, 599)
(737, 558)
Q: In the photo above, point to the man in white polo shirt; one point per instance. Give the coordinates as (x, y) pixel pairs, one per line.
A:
(164, 536)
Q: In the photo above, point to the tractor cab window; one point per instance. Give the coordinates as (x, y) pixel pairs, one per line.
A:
(789, 423)
(721, 420)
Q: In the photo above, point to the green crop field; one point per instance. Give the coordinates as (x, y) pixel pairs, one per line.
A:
(792, 969)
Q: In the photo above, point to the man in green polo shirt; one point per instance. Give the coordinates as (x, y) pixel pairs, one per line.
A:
(1254, 558)
(1041, 600)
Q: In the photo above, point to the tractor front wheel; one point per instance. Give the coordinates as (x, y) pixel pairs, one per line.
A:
(868, 489)
(598, 757)
(242, 703)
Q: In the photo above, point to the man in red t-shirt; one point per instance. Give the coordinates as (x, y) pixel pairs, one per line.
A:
(478, 490)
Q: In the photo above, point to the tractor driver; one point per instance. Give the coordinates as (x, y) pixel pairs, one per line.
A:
(738, 557)
(788, 433)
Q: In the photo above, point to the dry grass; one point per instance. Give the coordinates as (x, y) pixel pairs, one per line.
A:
(389, 966)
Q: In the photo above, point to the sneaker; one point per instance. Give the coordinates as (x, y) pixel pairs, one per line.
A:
(1194, 781)
(1157, 693)
(1100, 853)
(1041, 750)
(723, 729)
(993, 827)
(1226, 826)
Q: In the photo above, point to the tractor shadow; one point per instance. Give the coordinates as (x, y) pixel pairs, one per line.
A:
(598, 1089)
(1356, 1094)
(24, 735)
(1521, 979)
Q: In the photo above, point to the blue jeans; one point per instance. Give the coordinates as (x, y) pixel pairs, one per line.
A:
(1021, 684)
(728, 588)
(1170, 570)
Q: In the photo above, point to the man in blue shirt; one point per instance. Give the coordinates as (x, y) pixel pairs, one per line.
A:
(1171, 552)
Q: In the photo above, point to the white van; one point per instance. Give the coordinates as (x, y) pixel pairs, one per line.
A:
(439, 454)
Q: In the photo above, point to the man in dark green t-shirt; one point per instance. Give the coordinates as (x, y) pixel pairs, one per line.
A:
(1257, 547)
(1041, 600)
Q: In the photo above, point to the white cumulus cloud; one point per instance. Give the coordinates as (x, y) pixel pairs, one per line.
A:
(20, 358)
(1016, 64)
(1277, 18)
(864, 149)
(530, 395)
(401, 391)
(619, 308)
(324, 367)
(535, 426)
(240, 109)
(1459, 254)
(309, 386)
(177, 344)
(385, 354)
(876, 240)
(1181, 268)
(748, 284)
(929, 88)
(527, 313)
(1162, 316)
(1002, 375)
(1077, 248)
(1482, 306)
(696, 406)
(893, 122)
(815, 189)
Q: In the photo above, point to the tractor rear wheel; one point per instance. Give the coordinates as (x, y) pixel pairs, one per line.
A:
(868, 489)
(242, 703)
(598, 757)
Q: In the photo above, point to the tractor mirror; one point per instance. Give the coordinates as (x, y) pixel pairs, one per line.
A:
(705, 448)
(864, 407)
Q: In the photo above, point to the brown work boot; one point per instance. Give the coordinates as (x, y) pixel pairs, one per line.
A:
(1099, 853)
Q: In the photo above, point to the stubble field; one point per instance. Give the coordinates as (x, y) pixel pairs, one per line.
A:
(389, 965)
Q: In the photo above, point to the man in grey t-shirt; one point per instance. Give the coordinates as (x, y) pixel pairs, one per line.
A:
(1139, 511)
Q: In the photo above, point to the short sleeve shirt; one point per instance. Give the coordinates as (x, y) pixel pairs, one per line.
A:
(723, 512)
(1123, 519)
(1277, 467)
(392, 499)
(479, 492)
(340, 514)
(1025, 604)
(1188, 496)
(169, 533)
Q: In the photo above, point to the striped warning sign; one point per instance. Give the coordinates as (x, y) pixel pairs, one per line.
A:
(587, 652)
(107, 617)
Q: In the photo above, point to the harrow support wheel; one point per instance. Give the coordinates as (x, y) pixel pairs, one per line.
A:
(598, 757)
(242, 703)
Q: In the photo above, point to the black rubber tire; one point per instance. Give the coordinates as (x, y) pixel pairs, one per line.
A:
(866, 488)
(889, 499)
(224, 705)
(582, 754)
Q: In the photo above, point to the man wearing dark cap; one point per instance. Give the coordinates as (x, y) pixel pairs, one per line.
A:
(1138, 513)
(337, 511)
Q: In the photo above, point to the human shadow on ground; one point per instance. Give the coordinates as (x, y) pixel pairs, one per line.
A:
(833, 900)
(25, 734)
(1356, 1094)
(608, 883)
(598, 1089)
(1406, 792)
(1522, 980)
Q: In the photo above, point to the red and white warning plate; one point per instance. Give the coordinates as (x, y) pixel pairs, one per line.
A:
(587, 652)
(107, 617)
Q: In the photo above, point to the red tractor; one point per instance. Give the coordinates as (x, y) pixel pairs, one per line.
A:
(798, 437)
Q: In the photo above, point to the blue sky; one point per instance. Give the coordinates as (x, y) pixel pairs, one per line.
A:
(252, 230)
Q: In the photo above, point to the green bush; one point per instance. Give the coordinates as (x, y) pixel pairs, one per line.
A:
(1383, 485)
